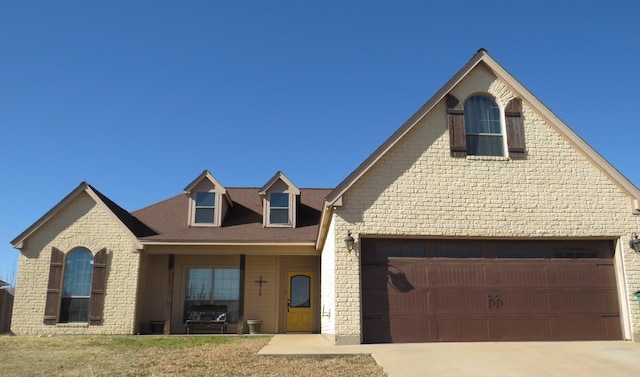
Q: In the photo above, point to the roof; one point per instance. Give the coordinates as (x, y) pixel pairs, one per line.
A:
(242, 223)
(166, 221)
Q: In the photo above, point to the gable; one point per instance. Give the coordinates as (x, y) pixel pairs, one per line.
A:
(130, 225)
(418, 182)
(480, 74)
(82, 222)
(560, 177)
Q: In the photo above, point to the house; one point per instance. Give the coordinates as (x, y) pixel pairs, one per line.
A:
(482, 218)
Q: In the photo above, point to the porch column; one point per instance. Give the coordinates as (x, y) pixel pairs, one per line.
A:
(240, 329)
(169, 303)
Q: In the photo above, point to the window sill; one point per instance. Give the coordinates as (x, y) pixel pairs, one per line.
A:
(203, 225)
(488, 158)
(73, 324)
(276, 225)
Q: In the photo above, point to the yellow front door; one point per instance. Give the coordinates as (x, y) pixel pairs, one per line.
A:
(300, 302)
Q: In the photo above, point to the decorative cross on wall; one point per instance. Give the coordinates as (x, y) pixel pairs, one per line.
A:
(260, 282)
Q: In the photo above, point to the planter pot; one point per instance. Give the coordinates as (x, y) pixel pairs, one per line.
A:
(254, 326)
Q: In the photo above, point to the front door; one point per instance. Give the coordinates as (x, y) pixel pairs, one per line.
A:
(300, 302)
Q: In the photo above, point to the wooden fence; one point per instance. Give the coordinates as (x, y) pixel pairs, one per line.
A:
(6, 306)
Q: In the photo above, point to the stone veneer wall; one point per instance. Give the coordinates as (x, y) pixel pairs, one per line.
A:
(82, 223)
(417, 189)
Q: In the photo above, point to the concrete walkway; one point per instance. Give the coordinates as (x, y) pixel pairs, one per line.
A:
(512, 359)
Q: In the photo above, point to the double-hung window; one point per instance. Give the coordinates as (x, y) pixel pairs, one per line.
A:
(279, 208)
(483, 128)
(205, 208)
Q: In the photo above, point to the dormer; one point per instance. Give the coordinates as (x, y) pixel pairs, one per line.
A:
(208, 201)
(279, 202)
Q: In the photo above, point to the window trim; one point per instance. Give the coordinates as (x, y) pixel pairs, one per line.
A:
(501, 134)
(68, 279)
(289, 222)
(195, 207)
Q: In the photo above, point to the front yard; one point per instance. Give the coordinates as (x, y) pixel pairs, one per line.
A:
(163, 356)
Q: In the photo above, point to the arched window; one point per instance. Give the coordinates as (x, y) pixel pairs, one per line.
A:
(482, 126)
(76, 286)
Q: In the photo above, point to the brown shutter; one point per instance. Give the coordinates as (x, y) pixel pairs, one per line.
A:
(455, 118)
(515, 129)
(98, 282)
(51, 307)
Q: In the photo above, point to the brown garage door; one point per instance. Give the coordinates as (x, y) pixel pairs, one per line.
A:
(452, 290)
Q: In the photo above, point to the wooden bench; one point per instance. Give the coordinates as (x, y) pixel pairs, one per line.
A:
(207, 317)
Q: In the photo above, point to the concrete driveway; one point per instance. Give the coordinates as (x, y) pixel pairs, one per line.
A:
(512, 359)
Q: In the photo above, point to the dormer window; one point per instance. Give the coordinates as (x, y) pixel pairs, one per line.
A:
(205, 208)
(279, 208)
(208, 201)
(279, 202)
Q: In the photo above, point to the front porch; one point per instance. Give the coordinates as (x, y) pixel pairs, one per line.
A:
(282, 291)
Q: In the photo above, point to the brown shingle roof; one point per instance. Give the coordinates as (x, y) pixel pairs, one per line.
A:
(138, 228)
(242, 223)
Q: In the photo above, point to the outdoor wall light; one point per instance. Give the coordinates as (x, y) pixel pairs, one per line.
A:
(349, 241)
(635, 242)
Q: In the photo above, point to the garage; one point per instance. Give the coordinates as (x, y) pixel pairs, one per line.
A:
(425, 290)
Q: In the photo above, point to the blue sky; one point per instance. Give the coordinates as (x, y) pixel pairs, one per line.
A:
(138, 97)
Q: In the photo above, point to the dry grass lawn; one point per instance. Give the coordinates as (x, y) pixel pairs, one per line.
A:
(164, 356)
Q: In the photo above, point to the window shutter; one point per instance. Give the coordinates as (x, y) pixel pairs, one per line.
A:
(98, 283)
(51, 307)
(455, 118)
(515, 129)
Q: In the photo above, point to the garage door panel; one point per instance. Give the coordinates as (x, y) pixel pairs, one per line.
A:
(517, 275)
(580, 275)
(607, 275)
(415, 273)
(406, 329)
(413, 302)
(460, 301)
(515, 328)
(583, 301)
(446, 274)
(585, 328)
(463, 328)
(376, 330)
(523, 302)
(376, 301)
(376, 277)
(400, 329)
